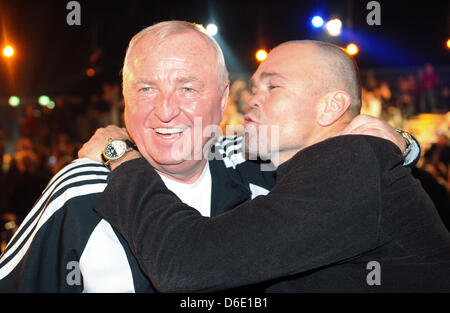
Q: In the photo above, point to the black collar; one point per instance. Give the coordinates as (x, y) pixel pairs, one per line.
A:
(227, 190)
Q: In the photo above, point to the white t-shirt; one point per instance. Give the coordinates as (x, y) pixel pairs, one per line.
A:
(196, 195)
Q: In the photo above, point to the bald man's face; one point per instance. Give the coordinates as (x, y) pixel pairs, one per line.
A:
(284, 95)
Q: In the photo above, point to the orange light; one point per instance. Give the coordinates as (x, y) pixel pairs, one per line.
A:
(261, 55)
(8, 51)
(448, 43)
(352, 49)
(90, 72)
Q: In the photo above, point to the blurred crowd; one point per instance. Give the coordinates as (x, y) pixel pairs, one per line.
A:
(50, 139)
(398, 101)
(47, 140)
(405, 96)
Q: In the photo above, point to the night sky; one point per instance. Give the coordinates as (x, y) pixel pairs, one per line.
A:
(51, 56)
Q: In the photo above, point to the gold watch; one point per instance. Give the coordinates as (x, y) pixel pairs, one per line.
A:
(116, 149)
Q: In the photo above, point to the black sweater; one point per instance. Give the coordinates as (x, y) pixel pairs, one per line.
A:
(336, 206)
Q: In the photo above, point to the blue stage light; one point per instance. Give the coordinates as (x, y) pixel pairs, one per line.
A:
(317, 21)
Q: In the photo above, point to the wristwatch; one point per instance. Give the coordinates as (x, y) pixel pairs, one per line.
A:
(409, 141)
(115, 149)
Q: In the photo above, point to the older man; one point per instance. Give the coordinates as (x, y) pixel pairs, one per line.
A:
(344, 215)
(173, 75)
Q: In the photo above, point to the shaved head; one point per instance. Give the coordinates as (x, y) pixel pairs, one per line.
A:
(308, 91)
(334, 69)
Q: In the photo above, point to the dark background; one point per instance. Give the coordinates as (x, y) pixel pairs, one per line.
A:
(51, 57)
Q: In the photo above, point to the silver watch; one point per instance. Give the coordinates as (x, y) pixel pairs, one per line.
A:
(408, 139)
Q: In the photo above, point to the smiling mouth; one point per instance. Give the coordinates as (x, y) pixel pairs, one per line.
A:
(169, 132)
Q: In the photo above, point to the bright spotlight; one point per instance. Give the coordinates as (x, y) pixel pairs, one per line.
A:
(317, 21)
(211, 29)
(352, 49)
(448, 43)
(14, 101)
(261, 55)
(334, 27)
(8, 51)
(44, 100)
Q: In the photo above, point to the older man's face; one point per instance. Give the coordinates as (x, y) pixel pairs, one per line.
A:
(283, 96)
(166, 87)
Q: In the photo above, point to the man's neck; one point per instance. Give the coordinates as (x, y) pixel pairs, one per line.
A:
(329, 132)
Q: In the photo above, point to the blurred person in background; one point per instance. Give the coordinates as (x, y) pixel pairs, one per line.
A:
(437, 159)
(371, 81)
(112, 96)
(8, 226)
(371, 104)
(24, 185)
(429, 81)
(233, 120)
(444, 100)
(412, 86)
(385, 94)
(245, 97)
(62, 152)
(23, 144)
(29, 123)
(404, 97)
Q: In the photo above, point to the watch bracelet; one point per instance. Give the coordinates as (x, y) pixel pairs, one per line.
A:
(408, 138)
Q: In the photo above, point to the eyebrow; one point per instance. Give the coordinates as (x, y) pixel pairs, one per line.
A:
(181, 80)
(145, 81)
(265, 76)
(188, 79)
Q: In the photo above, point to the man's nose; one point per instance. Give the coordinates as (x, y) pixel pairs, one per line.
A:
(254, 101)
(167, 107)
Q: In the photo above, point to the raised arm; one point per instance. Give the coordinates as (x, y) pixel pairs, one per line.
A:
(372, 126)
(305, 222)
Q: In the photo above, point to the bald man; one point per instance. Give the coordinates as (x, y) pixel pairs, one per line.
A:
(344, 215)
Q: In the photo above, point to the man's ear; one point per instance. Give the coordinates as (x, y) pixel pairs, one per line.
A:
(224, 99)
(332, 106)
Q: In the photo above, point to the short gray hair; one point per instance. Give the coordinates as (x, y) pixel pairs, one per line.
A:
(162, 30)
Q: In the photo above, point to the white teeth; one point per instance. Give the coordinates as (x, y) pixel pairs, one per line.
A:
(169, 130)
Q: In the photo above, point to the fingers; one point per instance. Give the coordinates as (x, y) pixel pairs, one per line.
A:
(372, 126)
(93, 148)
(353, 125)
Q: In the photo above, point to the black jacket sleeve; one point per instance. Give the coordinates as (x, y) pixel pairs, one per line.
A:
(324, 209)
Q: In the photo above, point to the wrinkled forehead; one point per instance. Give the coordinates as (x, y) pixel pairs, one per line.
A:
(188, 47)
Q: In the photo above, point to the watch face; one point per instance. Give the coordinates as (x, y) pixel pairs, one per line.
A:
(115, 149)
